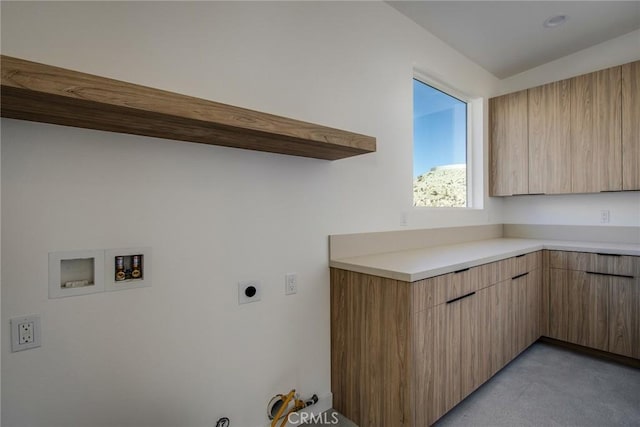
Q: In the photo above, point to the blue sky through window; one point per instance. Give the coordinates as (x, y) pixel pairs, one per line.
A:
(439, 129)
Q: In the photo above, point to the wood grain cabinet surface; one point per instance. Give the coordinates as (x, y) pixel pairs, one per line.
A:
(371, 359)
(549, 142)
(445, 336)
(509, 163)
(579, 308)
(579, 135)
(596, 131)
(631, 126)
(594, 301)
(624, 316)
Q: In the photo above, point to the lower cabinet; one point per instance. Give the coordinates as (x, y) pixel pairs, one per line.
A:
(404, 354)
(501, 324)
(515, 307)
(594, 301)
(579, 308)
(475, 342)
(624, 316)
(452, 354)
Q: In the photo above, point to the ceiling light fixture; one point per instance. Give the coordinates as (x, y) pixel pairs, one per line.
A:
(555, 21)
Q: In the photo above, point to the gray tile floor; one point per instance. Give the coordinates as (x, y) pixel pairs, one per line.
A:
(550, 386)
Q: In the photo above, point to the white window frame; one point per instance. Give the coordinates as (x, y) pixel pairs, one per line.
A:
(473, 201)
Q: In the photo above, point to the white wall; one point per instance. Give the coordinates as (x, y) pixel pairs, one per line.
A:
(573, 209)
(579, 209)
(183, 352)
(620, 50)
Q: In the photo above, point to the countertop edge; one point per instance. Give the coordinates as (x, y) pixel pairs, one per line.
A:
(536, 245)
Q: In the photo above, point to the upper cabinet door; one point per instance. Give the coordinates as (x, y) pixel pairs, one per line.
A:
(509, 146)
(549, 139)
(596, 132)
(631, 126)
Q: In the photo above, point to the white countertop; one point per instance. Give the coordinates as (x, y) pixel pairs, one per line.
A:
(418, 264)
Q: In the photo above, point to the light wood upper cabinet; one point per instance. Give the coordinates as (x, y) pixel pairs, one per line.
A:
(631, 126)
(509, 147)
(549, 139)
(596, 132)
(580, 135)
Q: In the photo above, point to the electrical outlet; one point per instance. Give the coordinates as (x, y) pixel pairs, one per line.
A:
(249, 291)
(25, 333)
(404, 219)
(604, 216)
(290, 283)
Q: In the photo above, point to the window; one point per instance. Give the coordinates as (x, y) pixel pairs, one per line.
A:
(439, 148)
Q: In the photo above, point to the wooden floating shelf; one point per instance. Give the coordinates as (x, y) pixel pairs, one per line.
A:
(42, 93)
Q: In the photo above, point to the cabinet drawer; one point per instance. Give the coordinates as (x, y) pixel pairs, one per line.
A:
(579, 261)
(524, 263)
(429, 292)
(440, 289)
(624, 265)
(494, 272)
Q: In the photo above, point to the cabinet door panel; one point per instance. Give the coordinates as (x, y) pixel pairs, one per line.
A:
(624, 321)
(428, 400)
(483, 336)
(631, 126)
(473, 366)
(520, 315)
(365, 356)
(448, 358)
(544, 296)
(579, 308)
(501, 324)
(588, 310)
(437, 362)
(534, 304)
(509, 162)
(596, 131)
(558, 304)
(549, 142)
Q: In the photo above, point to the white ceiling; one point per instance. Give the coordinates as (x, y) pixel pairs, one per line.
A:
(507, 37)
